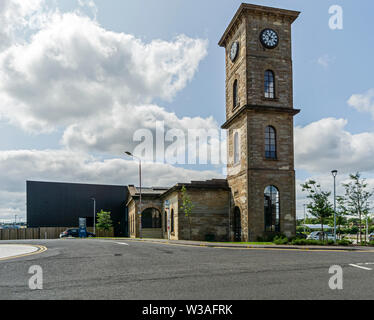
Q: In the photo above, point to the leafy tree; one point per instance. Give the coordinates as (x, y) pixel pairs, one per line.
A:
(357, 198)
(104, 221)
(319, 206)
(187, 207)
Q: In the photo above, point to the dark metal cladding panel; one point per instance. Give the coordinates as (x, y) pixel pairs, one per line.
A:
(51, 204)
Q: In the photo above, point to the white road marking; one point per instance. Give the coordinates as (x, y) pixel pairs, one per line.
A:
(122, 243)
(357, 266)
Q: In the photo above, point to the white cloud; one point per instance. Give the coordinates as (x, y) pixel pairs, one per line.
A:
(73, 71)
(325, 145)
(65, 71)
(113, 133)
(363, 102)
(17, 15)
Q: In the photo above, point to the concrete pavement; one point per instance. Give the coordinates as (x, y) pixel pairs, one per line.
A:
(8, 251)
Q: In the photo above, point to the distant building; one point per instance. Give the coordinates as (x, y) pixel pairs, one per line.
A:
(52, 204)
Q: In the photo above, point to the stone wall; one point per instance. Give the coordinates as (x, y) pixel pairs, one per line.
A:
(210, 215)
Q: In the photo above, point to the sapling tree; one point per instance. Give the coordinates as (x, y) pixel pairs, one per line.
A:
(357, 198)
(104, 221)
(319, 206)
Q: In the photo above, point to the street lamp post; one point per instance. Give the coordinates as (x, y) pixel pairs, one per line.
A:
(334, 174)
(94, 217)
(140, 194)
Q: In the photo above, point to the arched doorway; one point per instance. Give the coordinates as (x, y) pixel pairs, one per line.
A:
(151, 223)
(237, 225)
(151, 219)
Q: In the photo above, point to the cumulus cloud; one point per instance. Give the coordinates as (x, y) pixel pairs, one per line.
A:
(65, 71)
(73, 70)
(95, 85)
(115, 132)
(325, 145)
(66, 166)
(363, 102)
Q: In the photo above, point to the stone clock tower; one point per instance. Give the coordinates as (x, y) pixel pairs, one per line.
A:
(259, 113)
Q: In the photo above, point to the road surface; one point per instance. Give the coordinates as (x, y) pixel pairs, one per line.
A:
(119, 269)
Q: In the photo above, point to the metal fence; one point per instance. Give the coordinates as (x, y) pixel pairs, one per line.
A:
(43, 233)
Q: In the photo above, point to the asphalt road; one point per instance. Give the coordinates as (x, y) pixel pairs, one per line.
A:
(107, 269)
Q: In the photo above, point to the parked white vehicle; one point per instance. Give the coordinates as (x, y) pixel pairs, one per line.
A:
(319, 235)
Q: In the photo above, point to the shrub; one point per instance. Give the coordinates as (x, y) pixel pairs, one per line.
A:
(371, 243)
(305, 242)
(299, 242)
(300, 229)
(279, 240)
(344, 242)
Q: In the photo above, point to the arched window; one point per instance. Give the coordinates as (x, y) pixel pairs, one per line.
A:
(272, 209)
(269, 84)
(270, 143)
(172, 220)
(236, 148)
(235, 99)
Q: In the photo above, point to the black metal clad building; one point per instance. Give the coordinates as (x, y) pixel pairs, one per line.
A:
(52, 204)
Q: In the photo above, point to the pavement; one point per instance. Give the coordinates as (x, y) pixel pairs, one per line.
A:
(118, 269)
(16, 250)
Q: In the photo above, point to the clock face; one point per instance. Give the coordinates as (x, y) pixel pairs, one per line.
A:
(234, 50)
(269, 38)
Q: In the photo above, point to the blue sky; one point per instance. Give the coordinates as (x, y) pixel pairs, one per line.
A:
(331, 67)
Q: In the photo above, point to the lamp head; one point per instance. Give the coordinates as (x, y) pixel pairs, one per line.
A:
(334, 173)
